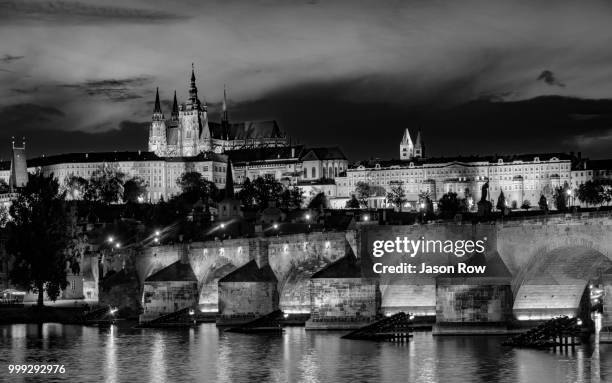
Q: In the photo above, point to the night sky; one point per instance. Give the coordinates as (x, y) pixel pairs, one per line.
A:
(478, 77)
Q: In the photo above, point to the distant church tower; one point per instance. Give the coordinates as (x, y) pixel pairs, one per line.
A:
(229, 207)
(157, 132)
(19, 168)
(408, 149)
(419, 146)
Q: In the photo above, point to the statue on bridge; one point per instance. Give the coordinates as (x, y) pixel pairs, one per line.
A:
(484, 205)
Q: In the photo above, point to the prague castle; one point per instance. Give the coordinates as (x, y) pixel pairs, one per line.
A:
(189, 132)
(189, 141)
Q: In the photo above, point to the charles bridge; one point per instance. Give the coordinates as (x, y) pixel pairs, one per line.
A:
(537, 268)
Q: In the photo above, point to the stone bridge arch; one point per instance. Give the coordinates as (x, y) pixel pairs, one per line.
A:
(554, 282)
(521, 244)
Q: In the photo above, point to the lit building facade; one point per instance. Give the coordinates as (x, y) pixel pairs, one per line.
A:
(189, 131)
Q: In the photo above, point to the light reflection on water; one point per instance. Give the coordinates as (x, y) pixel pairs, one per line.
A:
(123, 354)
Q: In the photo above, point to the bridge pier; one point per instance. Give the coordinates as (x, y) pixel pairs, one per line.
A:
(246, 294)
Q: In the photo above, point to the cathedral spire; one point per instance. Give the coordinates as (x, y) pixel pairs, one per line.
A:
(157, 103)
(175, 110)
(224, 106)
(193, 90)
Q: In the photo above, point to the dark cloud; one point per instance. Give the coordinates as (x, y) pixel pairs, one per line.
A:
(8, 58)
(549, 78)
(128, 136)
(112, 89)
(31, 90)
(77, 12)
(322, 115)
(21, 118)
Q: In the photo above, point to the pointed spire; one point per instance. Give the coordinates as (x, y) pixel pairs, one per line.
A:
(224, 107)
(175, 106)
(406, 140)
(157, 103)
(418, 139)
(193, 91)
(229, 181)
(224, 116)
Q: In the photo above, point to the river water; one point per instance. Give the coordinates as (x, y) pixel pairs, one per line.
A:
(204, 354)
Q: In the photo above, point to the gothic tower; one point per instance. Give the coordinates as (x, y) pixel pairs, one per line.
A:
(406, 146)
(229, 207)
(419, 146)
(157, 131)
(192, 122)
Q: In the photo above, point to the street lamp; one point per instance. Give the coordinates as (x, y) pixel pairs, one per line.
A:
(157, 233)
(275, 226)
(366, 217)
(117, 245)
(110, 239)
(307, 216)
(223, 226)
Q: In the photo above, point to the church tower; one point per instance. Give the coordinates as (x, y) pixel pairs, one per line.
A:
(157, 132)
(406, 146)
(19, 169)
(229, 207)
(193, 124)
(419, 146)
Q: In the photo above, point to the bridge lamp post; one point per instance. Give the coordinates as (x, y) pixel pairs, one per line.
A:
(307, 217)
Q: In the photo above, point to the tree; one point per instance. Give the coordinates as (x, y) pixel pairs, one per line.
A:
(106, 185)
(591, 193)
(247, 194)
(425, 203)
(501, 201)
(195, 187)
(5, 217)
(560, 198)
(450, 205)
(292, 198)
(352, 203)
(76, 187)
(319, 201)
(363, 193)
(526, 204)
(39, 237)
(134, 188)
(267, 189)
(4, 187)
(397, 196)
(543, 203)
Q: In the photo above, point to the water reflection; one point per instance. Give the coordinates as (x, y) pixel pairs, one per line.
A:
(120, 354)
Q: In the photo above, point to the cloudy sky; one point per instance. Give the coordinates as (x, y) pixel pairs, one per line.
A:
(477, 76)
